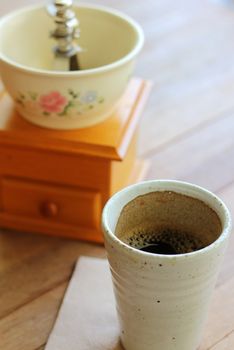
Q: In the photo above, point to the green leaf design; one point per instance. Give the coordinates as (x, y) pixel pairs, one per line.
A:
(33, 95)
(73, 94)
(66, 108)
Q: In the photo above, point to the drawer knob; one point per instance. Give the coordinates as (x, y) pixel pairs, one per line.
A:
(49, 209)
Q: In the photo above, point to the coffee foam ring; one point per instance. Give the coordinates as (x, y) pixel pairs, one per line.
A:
(157, 211)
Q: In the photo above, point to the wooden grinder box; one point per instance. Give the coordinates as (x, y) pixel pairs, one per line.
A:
(57, 182)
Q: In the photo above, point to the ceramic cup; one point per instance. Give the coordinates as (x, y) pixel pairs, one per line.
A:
(162, 300)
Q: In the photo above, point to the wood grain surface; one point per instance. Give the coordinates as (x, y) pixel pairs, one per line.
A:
(187, 132)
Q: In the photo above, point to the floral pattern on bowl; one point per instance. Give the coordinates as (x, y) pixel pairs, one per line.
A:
(56, 104)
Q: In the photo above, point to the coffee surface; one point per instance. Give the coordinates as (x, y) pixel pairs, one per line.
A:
(165, 241)
(159, 248)
(167, 222)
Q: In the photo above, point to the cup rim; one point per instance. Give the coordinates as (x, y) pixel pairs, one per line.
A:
(86, 72)
(170, 185)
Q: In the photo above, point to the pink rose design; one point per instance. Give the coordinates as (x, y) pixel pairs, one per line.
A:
(54, 102)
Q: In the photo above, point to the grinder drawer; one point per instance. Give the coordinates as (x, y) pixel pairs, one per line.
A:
(54, 203)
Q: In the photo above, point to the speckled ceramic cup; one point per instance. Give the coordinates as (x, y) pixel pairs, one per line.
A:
(162, 300)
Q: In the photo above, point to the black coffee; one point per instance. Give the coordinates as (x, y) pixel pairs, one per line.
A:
(166, 242)
(159, 248)
(167, 223)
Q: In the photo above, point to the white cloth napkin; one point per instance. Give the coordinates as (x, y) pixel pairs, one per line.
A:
(87, 318)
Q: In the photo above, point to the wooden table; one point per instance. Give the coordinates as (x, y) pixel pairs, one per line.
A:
(187, 132)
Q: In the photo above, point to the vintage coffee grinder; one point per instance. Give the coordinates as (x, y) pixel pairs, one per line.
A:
(69, 118)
